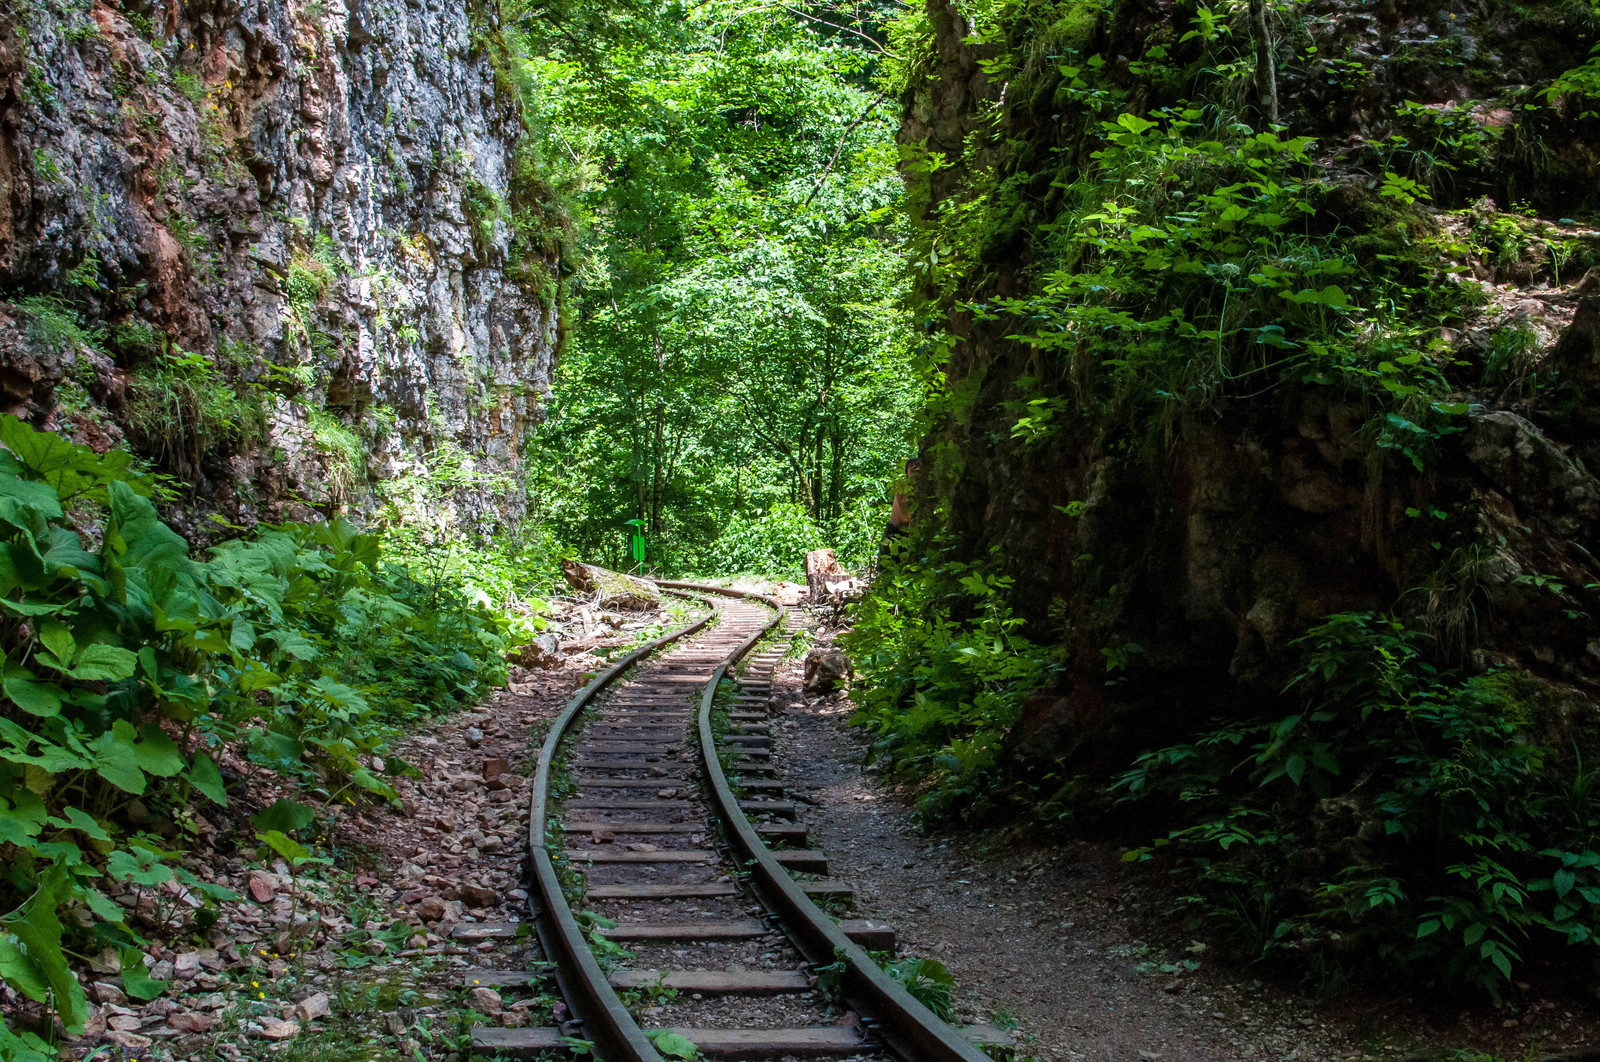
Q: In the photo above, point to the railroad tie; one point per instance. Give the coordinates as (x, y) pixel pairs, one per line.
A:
(733, 929)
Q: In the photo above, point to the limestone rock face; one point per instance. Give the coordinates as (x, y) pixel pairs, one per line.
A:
(305, 204)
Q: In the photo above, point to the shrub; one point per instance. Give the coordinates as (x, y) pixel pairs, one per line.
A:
(943, 670)
(1402, 818)
(182, 407)
(774, 543)
(130, 665)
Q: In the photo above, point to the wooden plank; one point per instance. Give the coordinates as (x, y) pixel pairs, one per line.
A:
(648, 748)
(764, 784)
(601, 855)
(486, 931)
(633, 783)
(735, 929)
(793, 832)
(689, 891)
(775, 1043)
(716, 982)
(635, 827)
(870, 934)
(837, 890)
(502, 978)
(784, 809)
(806, 861)
(659, 804)
(517, 1043)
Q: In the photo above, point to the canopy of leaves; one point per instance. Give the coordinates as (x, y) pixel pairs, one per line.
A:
(739, 342)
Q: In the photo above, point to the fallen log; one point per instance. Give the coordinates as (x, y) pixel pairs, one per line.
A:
(612, 589)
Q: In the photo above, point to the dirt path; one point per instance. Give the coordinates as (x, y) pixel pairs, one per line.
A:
(1055, 938)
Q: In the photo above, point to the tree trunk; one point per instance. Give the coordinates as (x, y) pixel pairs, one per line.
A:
(1266, 69)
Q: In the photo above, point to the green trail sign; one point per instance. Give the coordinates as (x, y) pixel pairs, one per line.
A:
(639, 548)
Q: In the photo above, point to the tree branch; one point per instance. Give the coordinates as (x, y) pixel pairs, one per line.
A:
(840, 148)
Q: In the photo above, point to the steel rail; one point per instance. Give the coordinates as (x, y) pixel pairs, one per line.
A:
(907, 1028)
(607, 1023)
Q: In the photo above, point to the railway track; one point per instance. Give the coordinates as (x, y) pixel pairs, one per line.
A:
(656, 806)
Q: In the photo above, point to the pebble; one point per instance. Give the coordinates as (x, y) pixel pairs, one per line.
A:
(484, 1001)
(279, 1030)
(312, 1007)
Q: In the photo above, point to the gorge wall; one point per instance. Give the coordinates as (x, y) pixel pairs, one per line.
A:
(1207, 384)
(296, 253)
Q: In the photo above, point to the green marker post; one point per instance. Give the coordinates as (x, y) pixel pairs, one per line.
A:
(639, 548)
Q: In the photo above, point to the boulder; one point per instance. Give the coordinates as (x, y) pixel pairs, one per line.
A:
(279, 1030)
(429, 909)
(827, 669)
(612, 589)
(789, 594)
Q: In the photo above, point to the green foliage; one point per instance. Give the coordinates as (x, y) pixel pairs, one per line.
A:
(1402, 819)
(738, 273)
(55, 325)
(671, 1044)
(774, 543)
(943, 669)
(928, 980)
(128, 666)
(484, 210)
(181, 407)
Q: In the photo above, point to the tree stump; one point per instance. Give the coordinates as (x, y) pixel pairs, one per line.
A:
(823, 572)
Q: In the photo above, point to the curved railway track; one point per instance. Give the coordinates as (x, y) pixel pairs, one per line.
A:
(675, 830)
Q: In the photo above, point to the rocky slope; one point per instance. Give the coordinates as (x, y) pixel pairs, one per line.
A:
(1182, 510)
(298, 254)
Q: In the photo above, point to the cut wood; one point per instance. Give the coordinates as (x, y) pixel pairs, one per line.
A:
(823, 572)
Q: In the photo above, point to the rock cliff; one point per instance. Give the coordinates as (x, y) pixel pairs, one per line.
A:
(1181, 471)
(295, 253)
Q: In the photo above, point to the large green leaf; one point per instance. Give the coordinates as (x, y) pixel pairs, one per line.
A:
(100, 905)
(286, 846)
(68, 468)
(284, 815)
(59, 640)
(158, 754)
(24, 1047)
(21, 819)
(138, 866)
(38, 929)
(117, 758)
(205, 777)
(82, 821)
(22, 502)
(30, 693)
(99, 662)
(136, 979)
(20, 972)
